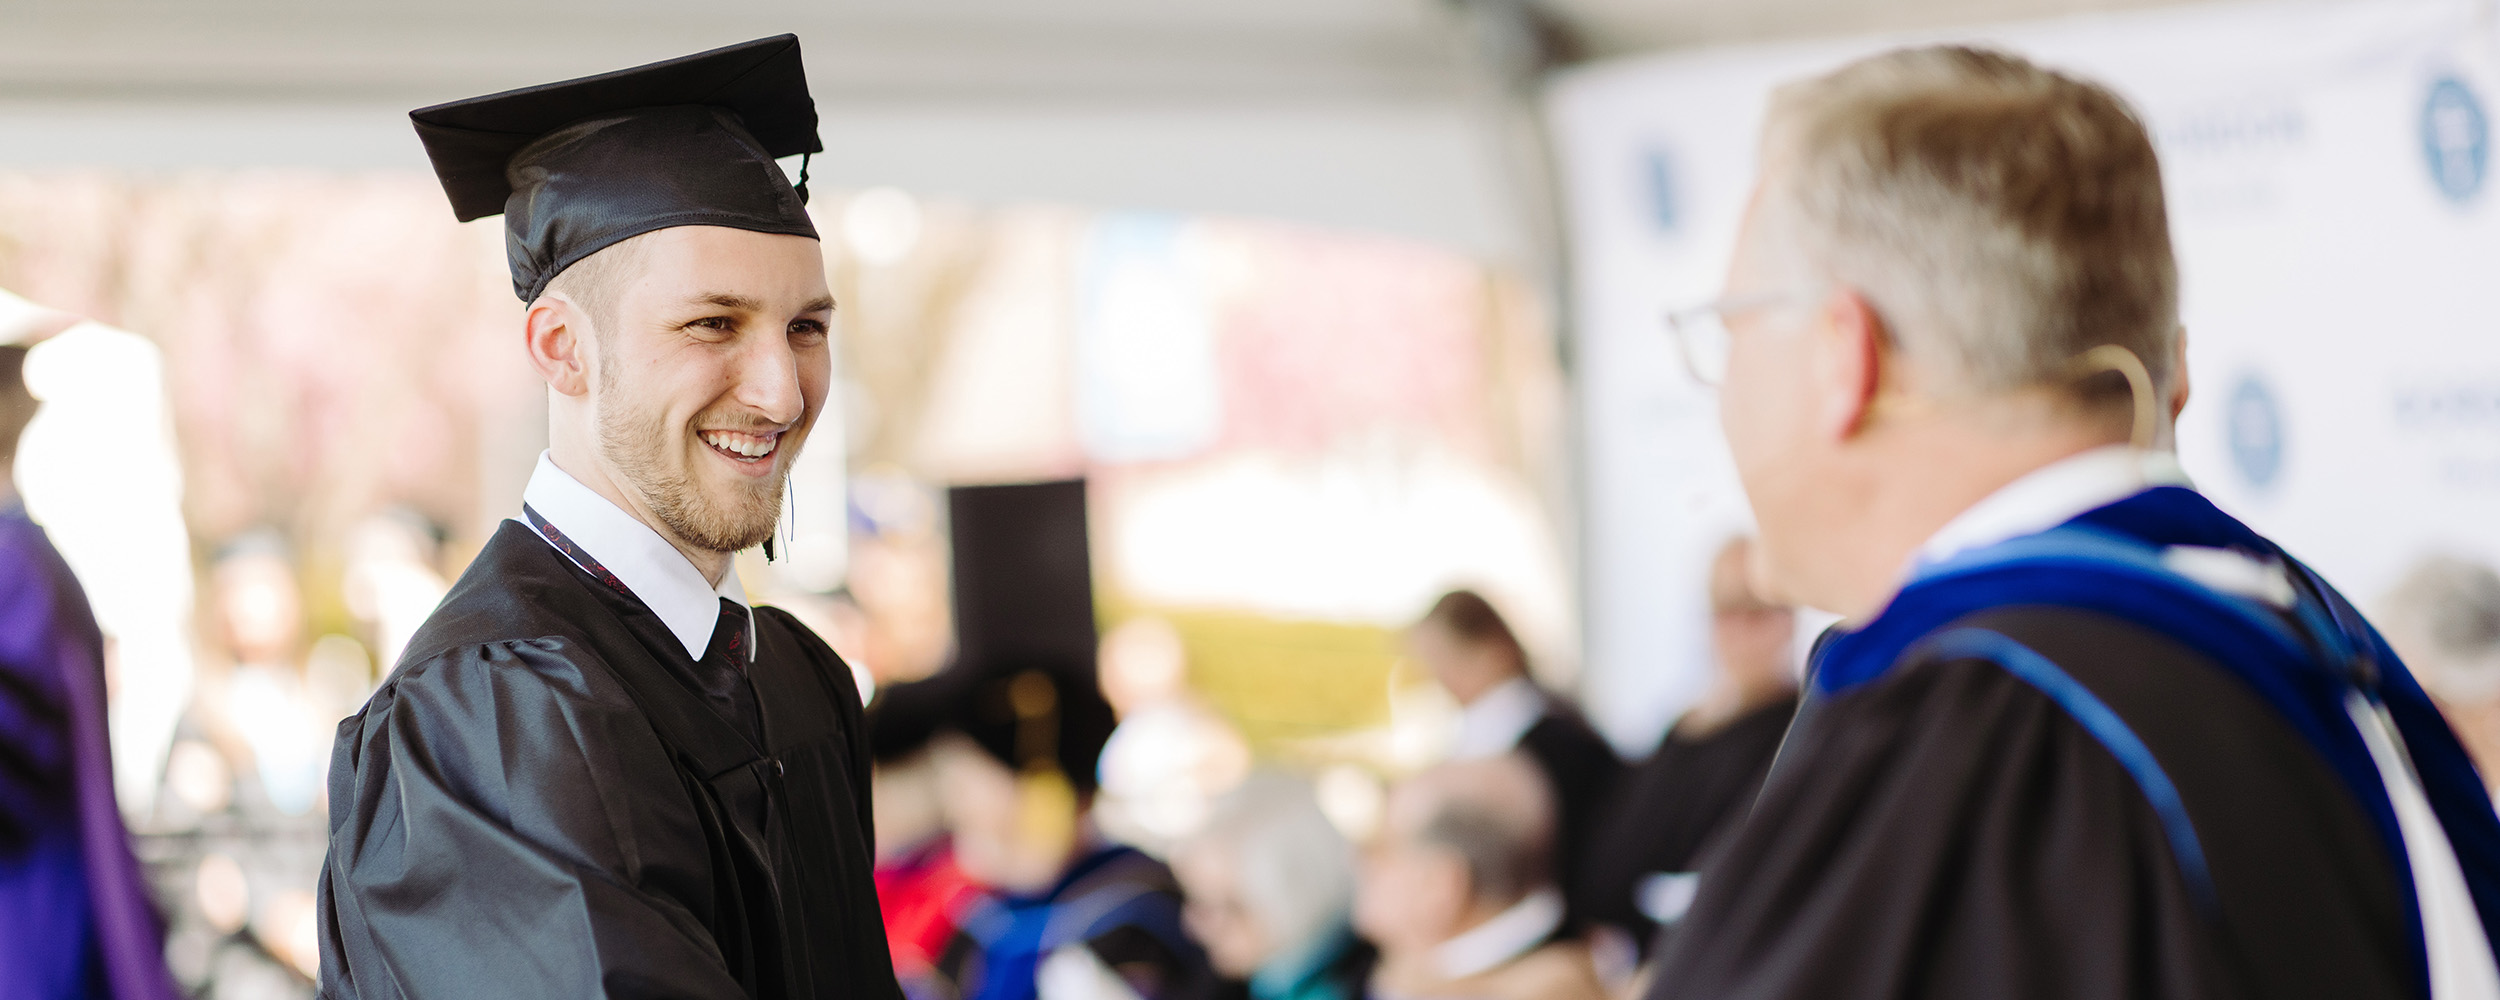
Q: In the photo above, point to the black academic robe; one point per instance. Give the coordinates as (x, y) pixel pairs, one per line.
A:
(1947, 831)
(1582, 768)
(1667, 807)
(541, 803)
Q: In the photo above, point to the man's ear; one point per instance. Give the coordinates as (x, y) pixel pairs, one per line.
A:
(2179, 378)
(1848, 357)
(558, 341)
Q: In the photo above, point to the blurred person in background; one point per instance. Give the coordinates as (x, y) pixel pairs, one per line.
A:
(1471, 651)
(1171, 755)
(1646, 855)
(2443, 617)
(1069, 914)
(2082, 734)
(1270, 889)
(392, 582)
(597, 770)
(75, 918)
(920, 887)
(261, 706)
(1458, 891)
(244, 781)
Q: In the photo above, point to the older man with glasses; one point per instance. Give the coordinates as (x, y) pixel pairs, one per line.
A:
(2080, 734)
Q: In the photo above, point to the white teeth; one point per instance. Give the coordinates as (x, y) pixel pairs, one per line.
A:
(740, 445)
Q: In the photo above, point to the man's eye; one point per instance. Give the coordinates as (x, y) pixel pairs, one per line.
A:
(807, 328)
(713, 323)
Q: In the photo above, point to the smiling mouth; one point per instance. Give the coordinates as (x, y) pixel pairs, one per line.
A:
(742, 447)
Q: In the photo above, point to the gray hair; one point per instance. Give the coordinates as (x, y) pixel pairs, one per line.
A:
(2001, 218)
(1297, 871)
(2444, 619)
(1497, 815)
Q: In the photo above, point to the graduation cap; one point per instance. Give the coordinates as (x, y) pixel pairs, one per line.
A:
(578, 166)
(1024, 717)
(1022, 686)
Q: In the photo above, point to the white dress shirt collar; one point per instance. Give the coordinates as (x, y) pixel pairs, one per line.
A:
(659, 575)
(1508, 935)
(1492, 724)
(2052, 495)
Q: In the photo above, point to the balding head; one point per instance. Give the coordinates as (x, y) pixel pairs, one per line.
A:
(1496, 814)
(1459, 843)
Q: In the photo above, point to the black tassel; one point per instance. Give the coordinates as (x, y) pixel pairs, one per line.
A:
(801, 188)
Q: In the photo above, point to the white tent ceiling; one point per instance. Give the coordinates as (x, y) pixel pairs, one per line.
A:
(1373, 114)
(1164, 50)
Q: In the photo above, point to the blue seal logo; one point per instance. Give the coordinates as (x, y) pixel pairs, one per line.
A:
(1658, 183)
(2255, 426)
(2456, 139)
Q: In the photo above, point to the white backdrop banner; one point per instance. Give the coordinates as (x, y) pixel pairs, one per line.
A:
(2329, 172)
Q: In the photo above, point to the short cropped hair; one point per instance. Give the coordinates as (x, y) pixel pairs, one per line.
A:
(2001, 218)
(593, 282)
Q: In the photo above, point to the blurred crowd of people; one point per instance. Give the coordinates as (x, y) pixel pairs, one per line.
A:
(1027, 859)
(1029, 851)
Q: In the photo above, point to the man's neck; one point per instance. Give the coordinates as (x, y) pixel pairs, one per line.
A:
(594, 474)
(1905, 489)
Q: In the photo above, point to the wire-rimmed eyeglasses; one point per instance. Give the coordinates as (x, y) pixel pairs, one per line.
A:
(1701, 333)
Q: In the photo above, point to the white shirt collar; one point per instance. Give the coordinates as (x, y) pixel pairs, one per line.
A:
(2052, 495)
(658, 574)
(2060, 491)
(1492, 724)
(1508, 935)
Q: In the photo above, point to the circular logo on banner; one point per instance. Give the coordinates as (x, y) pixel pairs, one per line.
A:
(1659, 186)
(2456, 139)
(2255, 425)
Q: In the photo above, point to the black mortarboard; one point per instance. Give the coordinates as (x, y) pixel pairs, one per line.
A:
(1026, 718)
(577, 166)
(1022, 685)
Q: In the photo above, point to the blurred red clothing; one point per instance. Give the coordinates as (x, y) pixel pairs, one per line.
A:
(919, 894)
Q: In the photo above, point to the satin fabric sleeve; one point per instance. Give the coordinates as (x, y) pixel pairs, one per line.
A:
(500, 826)
(35, 657)
(1946, 834)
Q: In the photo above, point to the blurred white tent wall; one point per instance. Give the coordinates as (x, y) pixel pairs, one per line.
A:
(2328, 172)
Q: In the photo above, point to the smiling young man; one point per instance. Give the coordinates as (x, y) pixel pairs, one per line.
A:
(2082, 734)
(597, 771)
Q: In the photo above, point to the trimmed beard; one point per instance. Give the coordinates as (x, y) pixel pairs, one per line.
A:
(632, 442)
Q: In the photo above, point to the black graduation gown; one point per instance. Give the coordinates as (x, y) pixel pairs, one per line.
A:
(1583, 770)
(1947, 831)
(540, 803)
(1668, 806)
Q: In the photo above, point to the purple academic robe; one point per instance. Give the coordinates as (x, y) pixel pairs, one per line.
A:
(75, 920)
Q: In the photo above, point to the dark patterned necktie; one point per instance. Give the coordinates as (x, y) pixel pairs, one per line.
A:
(723, 673)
